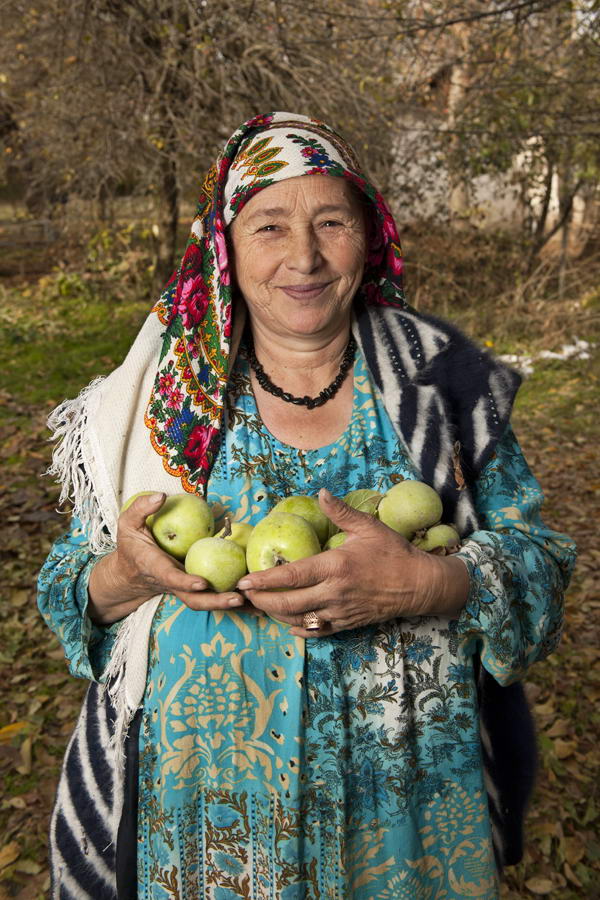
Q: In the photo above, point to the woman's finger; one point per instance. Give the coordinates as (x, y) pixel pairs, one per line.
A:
(326, 629)
(135, 515)
(312, 570)
(174, 580)
(290, 606)
(206, 601)
(348, 519)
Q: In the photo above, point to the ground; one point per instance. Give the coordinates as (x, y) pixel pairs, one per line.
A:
(55, 335)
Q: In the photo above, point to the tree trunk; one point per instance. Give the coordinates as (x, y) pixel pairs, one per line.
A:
(167, 203)
(538, 239)
(104, 205)
(458, 197)
(566, 196)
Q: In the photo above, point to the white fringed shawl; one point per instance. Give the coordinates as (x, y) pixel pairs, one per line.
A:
(103, 456)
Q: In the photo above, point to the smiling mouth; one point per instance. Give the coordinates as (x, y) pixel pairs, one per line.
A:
(305, 291)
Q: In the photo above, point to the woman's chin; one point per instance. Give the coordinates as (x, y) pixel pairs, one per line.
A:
(310, 324)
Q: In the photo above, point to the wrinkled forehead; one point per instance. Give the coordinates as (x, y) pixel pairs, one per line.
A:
(278, 154)
(302, 196)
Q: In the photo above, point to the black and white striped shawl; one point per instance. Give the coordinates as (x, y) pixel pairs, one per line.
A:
(438, 389)
(87, 810)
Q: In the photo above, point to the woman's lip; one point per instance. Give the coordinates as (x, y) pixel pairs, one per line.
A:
(304, 290)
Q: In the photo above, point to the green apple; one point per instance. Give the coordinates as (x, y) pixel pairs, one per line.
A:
(240, 532)
(438, 536)
(365, 500)
(309, 509)
(336, 540)
(410, 506)
(219, 560)
(182, 520)
(279, 538)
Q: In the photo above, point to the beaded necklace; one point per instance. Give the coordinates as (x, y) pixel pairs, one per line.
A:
(310, 402)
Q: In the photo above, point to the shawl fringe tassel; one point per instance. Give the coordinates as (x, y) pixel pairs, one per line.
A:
(68, 424)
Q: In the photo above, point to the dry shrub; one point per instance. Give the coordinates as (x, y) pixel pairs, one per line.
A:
(478, 279)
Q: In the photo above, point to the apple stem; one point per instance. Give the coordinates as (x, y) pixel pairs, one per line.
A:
(226, 529)
(279, 560)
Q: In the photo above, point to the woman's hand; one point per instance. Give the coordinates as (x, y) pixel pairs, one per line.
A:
(376, 575)
(138, 570)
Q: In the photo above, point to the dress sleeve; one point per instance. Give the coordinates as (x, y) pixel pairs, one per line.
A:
(519, 569)
(63, 601)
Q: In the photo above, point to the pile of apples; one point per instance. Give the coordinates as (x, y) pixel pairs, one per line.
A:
(295, 528)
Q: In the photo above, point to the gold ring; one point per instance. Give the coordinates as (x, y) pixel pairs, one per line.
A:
(311, 621)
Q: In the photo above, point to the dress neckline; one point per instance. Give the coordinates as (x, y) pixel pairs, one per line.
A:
(281, 446)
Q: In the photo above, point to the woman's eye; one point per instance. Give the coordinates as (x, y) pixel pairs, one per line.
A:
(332, 223)
(268, 228)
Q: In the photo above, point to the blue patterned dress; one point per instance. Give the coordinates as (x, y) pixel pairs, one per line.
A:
(343, 767)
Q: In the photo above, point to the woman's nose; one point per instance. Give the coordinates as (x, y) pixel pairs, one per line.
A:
(303, 253)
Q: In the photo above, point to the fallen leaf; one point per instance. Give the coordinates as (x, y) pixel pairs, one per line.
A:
(25, 767)
(28, 866)
(571, 876)
(20, 598)
(575, 770)
(34, 706)
(9, 731)
(559, 728)
(8, 854)
(591, 812)
(574, 850)
(564, 749)
(538, 885)
(545, 709)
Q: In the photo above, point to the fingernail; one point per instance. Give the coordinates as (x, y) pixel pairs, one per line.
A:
(154, 498)
(235, 601)
(326, 494)
(199, 586)
(244, 583)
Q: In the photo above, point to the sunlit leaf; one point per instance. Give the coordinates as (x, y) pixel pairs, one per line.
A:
(8, 854)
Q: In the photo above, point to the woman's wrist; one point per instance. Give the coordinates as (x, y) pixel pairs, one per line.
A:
(106, 593)
(445, 585)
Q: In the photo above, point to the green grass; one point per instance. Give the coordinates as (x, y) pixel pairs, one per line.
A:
(55, 345)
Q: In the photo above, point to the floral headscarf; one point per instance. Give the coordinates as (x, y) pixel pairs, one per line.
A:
(185, 409)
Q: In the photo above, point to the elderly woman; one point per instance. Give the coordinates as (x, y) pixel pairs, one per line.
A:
(349, 725)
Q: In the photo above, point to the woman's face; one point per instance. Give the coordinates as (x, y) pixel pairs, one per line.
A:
(298, 254)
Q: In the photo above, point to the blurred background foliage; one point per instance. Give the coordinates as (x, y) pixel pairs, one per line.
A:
(111, 110)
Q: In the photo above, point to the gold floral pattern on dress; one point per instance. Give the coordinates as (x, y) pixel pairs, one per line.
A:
(220, 719)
